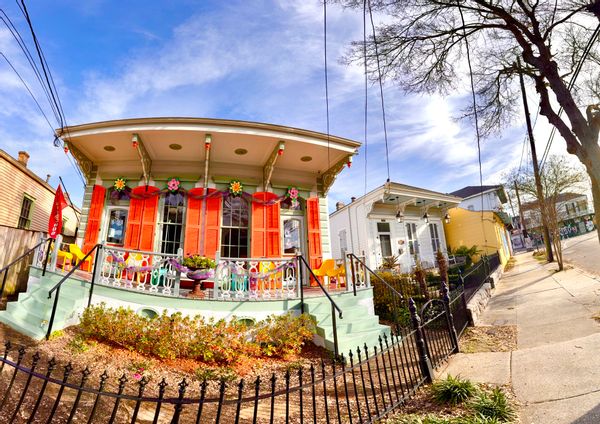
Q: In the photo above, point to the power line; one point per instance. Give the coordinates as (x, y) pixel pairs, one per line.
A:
(326, 77)
(578, 68)
(387, 153)
(28, 90)
(366, 87)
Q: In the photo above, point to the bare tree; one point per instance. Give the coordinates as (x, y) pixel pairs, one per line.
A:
(423, 49)
(558, 177)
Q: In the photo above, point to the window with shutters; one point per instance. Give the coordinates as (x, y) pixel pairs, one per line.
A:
(25, 214)
(172, 223)
(234, 228)
(413, 240)
(435, 238)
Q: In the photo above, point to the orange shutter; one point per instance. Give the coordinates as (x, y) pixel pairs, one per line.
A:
(315, 248)
(258, 234)
(265, 238)
(141, 220)
(212, 225)
(94, 217)
(149, 216)
(193, 223)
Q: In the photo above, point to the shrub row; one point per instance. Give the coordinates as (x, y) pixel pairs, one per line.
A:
(214, 342)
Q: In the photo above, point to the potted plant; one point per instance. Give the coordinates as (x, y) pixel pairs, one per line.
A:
(199, 268)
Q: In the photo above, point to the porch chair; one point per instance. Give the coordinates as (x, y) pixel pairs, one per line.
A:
(65, 258)
(79, 255)
(327, 270)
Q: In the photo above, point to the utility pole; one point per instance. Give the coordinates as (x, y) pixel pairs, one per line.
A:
(521, 217)
(536, 169)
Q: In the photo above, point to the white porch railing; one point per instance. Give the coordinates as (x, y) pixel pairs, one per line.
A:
(150, 272)
(256, 279)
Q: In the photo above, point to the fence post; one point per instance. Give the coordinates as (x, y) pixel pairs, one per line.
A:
(300, 277)
(97, 270)
(424, 361)
(450, 317)
(50, 241)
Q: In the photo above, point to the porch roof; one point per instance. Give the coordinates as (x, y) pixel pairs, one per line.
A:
(179, 142)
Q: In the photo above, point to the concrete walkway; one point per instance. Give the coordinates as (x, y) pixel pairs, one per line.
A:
(555, 371)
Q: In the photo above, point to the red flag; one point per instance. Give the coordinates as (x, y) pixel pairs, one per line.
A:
(55, 223)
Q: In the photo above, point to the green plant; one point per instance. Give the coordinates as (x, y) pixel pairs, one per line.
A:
(453, 390)
(294, 365)
(421, 277)
(390, 262)
(56, 335)
(467, 252)
(78, 344)
(226, 374)
(198, 262)
(283, 335)
(494, 405)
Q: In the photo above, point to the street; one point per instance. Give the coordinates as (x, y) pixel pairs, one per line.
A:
(583, 252)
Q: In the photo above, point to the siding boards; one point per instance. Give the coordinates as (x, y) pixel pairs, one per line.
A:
(13, 243)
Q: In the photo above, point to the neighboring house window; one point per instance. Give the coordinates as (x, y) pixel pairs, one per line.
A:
(385, 240)
(435, 238)
(234, 231)
(25, 215)
(413, 242)
(172, 223)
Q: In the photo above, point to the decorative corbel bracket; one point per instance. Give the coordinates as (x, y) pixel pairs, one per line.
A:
(327, 178)
(270, 165)
(84, 163)
(136, 140)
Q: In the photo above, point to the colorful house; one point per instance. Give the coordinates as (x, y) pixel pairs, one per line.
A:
(251, 196)
(487, 227)
(393, 220)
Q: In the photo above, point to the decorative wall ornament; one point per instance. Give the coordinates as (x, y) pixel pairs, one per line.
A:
(120, 184)
(173, 185)
(236, 188)
(293, 193)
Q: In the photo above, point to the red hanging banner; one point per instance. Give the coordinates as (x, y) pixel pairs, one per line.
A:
(55, 223)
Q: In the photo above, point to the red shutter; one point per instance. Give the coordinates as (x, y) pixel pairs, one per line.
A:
(266, 234)
(141, 220)
(149, 216)
(258, 234)
(94, 217)
(315, 248)
(212, 225)
(193, 222)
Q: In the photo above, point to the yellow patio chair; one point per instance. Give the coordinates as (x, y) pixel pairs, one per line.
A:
(79, 255)
(326, 270)
(64, 259)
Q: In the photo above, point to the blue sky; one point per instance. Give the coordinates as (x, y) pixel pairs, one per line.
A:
(258, 60)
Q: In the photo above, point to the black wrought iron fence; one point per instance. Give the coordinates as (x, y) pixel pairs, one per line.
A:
(479, 274)
(363, 387)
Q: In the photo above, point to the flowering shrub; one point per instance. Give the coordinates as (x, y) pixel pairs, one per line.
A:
(209, 341)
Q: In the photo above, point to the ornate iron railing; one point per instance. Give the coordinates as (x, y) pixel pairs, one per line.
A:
(256, 279)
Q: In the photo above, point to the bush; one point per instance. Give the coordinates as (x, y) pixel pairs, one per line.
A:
(453, 390)
(210, 341)
(495, 406)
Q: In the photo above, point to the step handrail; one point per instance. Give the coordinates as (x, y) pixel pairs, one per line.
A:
(334, 306)
(65, 278)
(395, 293)
(6, 268)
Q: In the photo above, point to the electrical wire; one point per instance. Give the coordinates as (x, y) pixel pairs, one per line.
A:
(476, 117)
(326, 79)
(387, 153)
(366, 149)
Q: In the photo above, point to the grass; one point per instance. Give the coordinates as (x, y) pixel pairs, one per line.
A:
(494, 405)
(510, 264)
(453, 390)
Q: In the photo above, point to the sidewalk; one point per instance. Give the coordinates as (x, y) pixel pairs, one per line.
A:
(555, 371)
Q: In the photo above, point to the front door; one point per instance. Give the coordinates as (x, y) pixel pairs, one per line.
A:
(293, 235)
(171, 224)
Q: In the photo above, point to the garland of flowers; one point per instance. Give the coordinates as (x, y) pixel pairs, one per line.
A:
(173, 185)
(236, 188)
(120, 184)
(292, 194)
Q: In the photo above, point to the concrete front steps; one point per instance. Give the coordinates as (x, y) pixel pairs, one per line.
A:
(358, 325)
(30, 314)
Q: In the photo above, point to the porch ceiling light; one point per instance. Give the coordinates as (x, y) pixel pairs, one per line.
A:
(447, 218)
(175, 146)
(426, 217)
(109, 148)
(240, 151)
(306, 158)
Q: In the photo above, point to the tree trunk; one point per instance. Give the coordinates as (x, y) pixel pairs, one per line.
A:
(595, 178)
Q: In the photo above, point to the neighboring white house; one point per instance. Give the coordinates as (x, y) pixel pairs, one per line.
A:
(572, 210)
(394, 219)
(478, 198)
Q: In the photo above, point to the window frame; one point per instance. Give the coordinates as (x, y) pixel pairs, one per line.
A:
(387, 233)
(435, 241)
(27, 219)
(239, 228)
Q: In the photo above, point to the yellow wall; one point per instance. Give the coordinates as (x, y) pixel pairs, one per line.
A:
(466, 229)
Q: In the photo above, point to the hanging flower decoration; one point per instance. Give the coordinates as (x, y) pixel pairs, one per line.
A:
(120, 184)
(236, 188)
(173, 185)
(292, 194)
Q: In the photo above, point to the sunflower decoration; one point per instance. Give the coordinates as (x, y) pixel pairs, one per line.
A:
(173, 185)
(120, 184)
(236, 188)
